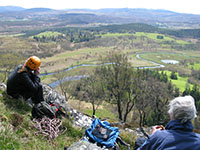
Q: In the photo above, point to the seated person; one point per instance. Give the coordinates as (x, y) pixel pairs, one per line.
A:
(24, 81)
(178, 134)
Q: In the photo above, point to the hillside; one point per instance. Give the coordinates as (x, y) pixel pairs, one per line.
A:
(19, 131)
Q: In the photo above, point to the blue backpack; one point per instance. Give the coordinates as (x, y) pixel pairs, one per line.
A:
(101, 133)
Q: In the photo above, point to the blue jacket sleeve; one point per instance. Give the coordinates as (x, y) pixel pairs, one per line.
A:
(144, 146)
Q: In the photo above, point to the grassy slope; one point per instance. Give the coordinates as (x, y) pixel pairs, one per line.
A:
(17, 131)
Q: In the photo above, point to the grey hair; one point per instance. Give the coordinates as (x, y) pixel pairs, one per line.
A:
(182, 108)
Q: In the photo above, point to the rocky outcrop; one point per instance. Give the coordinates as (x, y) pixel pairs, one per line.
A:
(78, 118)
(84, 121)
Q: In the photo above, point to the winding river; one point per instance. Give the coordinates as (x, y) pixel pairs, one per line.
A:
(56, 83)
(157, 65)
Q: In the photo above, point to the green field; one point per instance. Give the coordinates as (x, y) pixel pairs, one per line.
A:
(152, 36)
(48, 34)
(180, 83)
(165, 38)
(101, 113)
(196, 66)
(115, 34)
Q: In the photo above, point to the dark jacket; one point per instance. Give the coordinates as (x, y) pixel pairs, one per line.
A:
(177, 136)
(24, 84)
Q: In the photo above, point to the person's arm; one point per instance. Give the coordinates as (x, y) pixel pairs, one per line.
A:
(37, 71)
(150, 143)
(35, 76)
(30, 82)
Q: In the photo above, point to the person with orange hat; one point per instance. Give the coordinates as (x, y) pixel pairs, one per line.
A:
(24, 81)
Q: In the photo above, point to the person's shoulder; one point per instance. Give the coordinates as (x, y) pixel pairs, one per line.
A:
(161, 135)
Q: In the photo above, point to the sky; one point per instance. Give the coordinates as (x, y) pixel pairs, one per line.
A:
(182, 6)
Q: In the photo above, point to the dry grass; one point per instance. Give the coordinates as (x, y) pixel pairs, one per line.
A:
(81, 105)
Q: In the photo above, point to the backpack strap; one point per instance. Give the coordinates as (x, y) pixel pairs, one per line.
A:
(59, 109)
(54, 105)
(43, 109)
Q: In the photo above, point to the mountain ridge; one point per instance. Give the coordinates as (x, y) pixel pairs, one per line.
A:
(89, 17)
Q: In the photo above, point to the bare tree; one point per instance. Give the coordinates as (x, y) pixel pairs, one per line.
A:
(142, 102)
(152, 100)
(120, 84)
(91, 90)
(64, 84)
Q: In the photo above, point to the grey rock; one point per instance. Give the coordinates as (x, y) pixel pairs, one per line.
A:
(3, 86)
(84, 145)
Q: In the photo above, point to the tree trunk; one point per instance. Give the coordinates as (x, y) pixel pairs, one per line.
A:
(143, 119)
(140, 118)
(93, 109)
(119, 109)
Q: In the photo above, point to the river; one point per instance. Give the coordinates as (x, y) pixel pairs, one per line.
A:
(56, 83)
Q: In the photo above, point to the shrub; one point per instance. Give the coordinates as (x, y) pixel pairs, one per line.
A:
(128, 138)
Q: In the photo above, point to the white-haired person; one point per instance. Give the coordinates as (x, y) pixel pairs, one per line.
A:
(178, 134)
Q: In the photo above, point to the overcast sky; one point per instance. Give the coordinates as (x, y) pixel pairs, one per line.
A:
(183, 6)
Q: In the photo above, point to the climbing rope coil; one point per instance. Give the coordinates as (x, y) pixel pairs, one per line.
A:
(50, 128)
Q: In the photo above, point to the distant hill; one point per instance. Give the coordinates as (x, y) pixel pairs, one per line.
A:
(38, 10)
(10, 8)
(18, 19)
(158, 17)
